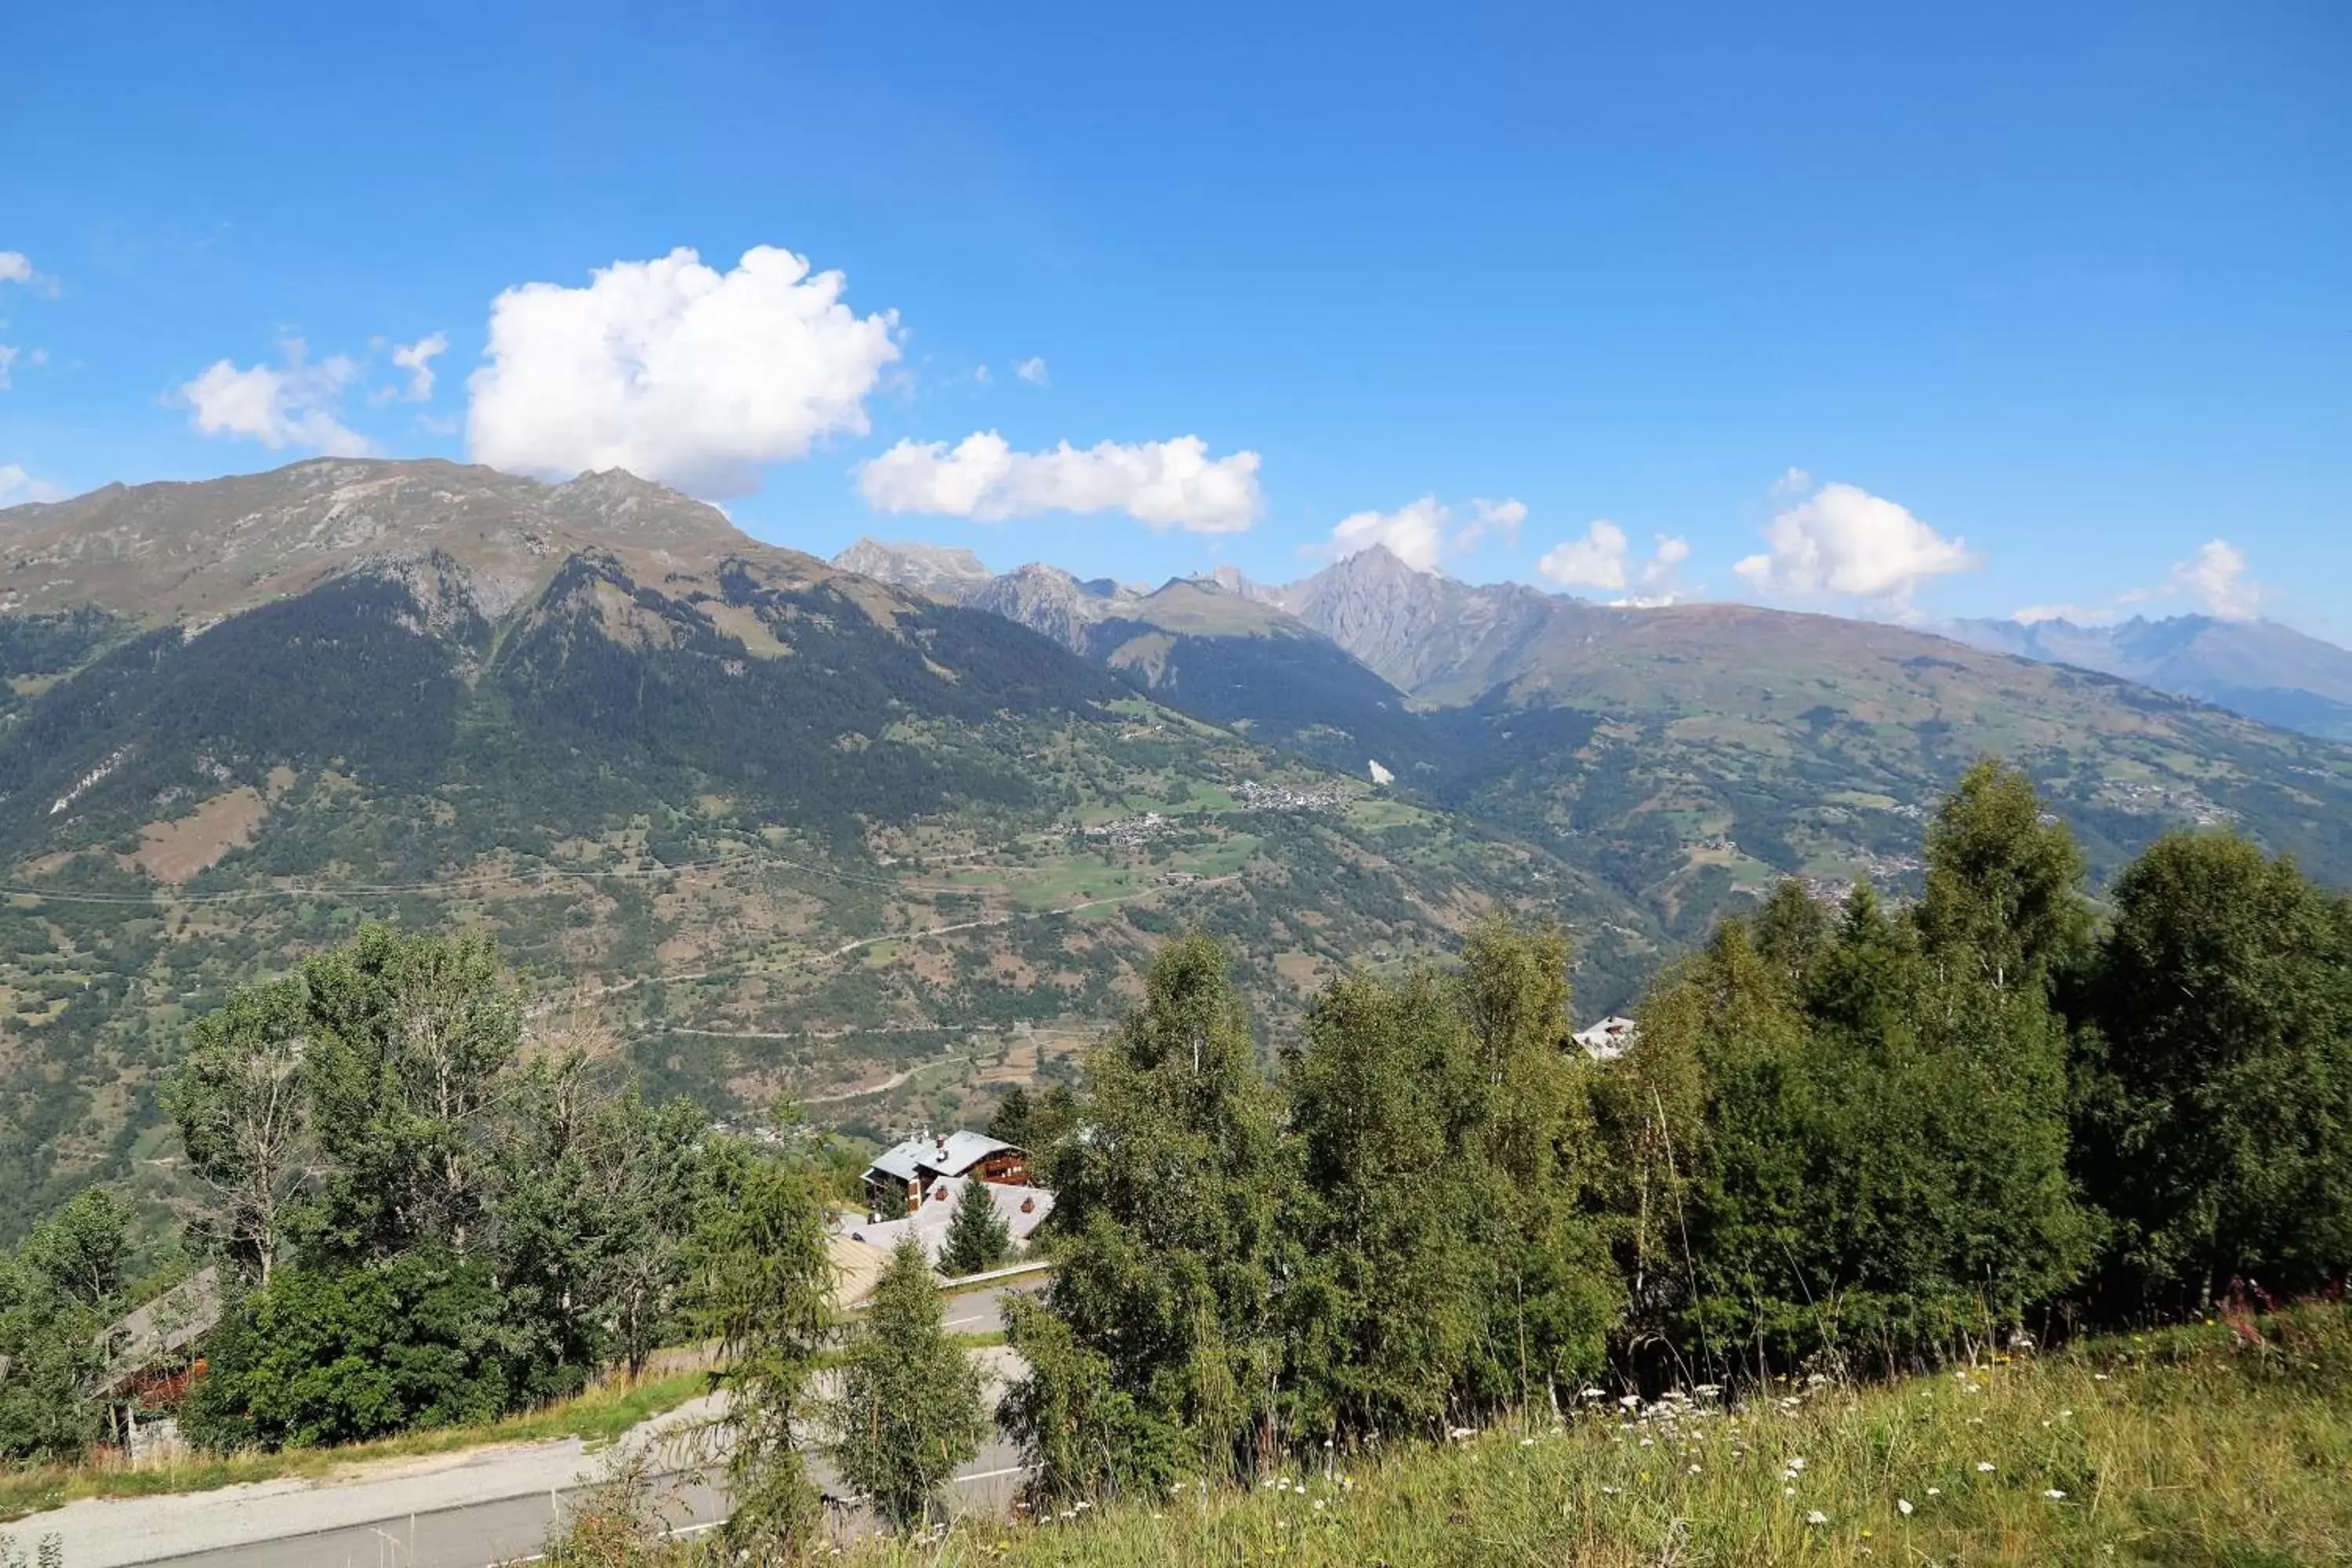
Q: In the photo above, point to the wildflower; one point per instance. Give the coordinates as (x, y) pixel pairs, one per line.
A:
(1817, 1517)
(1935, 1491)
(1630, 1400)
(1984, 1466)
(1462, 1433)
(1608, 1491)
(1318, 1505)
(1694, 1470)
(1903, 1507)
(1589, 1394)
(1527, 1442)
(1788, 1491)
(1797, 1464)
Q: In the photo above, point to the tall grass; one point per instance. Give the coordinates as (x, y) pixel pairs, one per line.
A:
(2212, 1445)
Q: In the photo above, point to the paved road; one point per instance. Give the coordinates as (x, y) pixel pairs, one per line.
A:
(982, 1312)
(460, 1510)
(512, 1529)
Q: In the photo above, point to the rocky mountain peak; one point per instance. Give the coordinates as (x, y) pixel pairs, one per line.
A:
(939, 571)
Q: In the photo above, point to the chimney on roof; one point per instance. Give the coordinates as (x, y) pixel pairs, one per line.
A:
(1028, 1206)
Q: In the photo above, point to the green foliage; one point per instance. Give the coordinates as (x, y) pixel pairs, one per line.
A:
(978, 1238)
(77, 1255)
(760, 1283)
(2003, 882)
(1446, 1266)
(242, 1103)
(1168, 1205)
(910, 1410)
(1848, 1143)
(410, 1037)
(525, 1224)
(341, 1354)
(2215, 1079)
(597, 1198)
(58, 1290)
(1081, 1433)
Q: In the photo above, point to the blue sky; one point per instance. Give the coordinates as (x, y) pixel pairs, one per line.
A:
(1909, 310)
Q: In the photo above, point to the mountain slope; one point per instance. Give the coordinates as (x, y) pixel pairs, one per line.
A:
(2259, 668)
(791, 831)
(1689, 755)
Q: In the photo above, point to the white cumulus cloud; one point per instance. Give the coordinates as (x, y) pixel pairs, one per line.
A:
(1603, 560)
(1842, 542)
(1415, 533)
(2217, 576)
(1166, 484)
(676, 371)
(417, 359)
(17, 487)
(1031, 370)
(1500, 518)
(15, 267)
(294, 404)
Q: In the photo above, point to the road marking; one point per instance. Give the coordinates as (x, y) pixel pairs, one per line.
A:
(993, 1475)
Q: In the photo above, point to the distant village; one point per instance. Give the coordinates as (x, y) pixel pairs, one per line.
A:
(1249, 794)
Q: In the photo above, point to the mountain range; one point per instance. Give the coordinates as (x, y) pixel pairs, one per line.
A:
(883, 834)
(780, 828)
(2260, 669)
(1687, 756)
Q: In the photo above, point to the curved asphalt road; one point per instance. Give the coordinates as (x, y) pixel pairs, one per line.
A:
(470, 1509)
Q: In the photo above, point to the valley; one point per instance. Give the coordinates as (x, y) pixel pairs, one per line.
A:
(777, 832)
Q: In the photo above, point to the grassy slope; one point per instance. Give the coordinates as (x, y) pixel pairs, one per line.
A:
(2185, 1447)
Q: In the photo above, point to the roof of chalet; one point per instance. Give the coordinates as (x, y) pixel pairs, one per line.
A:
(929, 1224)
(950, 1155)
(165, 1326)
(1608, 1038)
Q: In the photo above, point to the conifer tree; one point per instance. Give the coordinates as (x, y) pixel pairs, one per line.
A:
(910, 1410)
(762, 1286)
(978, 1238)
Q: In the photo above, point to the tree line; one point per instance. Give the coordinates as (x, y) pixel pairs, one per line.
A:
(1850, 1137)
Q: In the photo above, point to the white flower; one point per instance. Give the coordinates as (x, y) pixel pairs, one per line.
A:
(1788, 1491)
(1630, 1400)
(1817, 1517)
(1797, 1464)
(1694, 1470)
(1935, 1491)
(1589, 1394)
(1984, 1466)
(2054, 1494)
(1527, 1442)
(1903, 1507)
(1318, 1505)
(1462, 1433)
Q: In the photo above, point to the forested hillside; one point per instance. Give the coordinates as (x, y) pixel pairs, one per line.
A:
(792, 831)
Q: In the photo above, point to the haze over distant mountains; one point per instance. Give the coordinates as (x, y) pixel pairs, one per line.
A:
(2260, 669)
